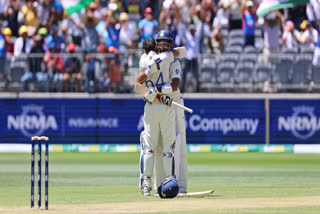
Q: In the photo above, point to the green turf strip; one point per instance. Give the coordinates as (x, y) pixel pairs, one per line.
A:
(85, 178)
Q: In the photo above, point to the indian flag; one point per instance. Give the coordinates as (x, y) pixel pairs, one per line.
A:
(73, 6)
(270, 5)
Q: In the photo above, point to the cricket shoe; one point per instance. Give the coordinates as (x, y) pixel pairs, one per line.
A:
(182, 192)
(146, 191)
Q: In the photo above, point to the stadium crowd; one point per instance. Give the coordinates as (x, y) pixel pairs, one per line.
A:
(97, 49)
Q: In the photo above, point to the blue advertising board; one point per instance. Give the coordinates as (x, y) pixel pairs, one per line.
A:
(294, 121)
(120, 121)
(226, 121)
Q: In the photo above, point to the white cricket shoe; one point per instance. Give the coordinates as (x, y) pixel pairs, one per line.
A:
(146, 191)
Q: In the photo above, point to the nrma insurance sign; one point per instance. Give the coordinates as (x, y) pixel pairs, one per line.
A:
(303, 123)
(32, 121)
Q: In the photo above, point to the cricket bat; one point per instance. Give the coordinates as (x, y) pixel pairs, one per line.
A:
(141, 89)
(195, 194)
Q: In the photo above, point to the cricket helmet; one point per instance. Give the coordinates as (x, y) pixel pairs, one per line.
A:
(168, 188)
(164, 41)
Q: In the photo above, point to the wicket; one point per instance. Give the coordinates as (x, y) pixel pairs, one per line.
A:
(39, 141)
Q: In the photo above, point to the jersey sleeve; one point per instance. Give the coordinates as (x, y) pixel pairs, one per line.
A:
(166, 57)
(141, 69)
(175, 69)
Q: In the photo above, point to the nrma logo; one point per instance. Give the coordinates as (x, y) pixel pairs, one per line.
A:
(303, 124)
(32, 121)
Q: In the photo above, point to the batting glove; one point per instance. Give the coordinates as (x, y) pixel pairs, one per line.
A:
(164, 99)
(150, 95)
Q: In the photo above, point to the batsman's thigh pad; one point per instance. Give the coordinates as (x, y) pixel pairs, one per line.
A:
(168, 128)
(151, 125)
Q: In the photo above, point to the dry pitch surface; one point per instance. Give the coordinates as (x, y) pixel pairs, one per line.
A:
(210, 204)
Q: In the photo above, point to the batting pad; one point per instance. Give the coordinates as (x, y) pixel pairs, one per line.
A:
(177, 152)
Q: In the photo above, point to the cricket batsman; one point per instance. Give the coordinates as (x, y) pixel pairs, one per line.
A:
(164, 47)
(180, 152)
(159, 121)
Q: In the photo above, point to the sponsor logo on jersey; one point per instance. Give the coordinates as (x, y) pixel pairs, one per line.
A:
(303, 123)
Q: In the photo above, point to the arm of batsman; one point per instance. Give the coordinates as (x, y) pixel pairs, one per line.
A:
(179, 52)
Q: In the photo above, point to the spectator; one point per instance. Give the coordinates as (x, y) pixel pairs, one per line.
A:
(313, 12)
(115, 6)
(196, 12)
(134, 10)
(42, 76)
(148, 26)
(167, 14)
(44, 13)
(290, 37)
(90, 79)
(37, 48)
(198, 15)
(113, 29)
(3, 58)
(309, 36)
(10, 44)
(114, 70)
(2, 9)
(271, 31)
(56, 11)
(193, 52)
(23, 44)
(65, 35)
(210, 9)
(11, 13)
(72, 76)
(75, 27)
(249, 18)
(55, 67)
(125, 36)
(91, 37)
(54, 38)
(172, 25)
(92, 10)
(316, 56)
(222, 17)
(101, 27)
(235, 12)
(30, 13)
(297, 14)
(217, 41)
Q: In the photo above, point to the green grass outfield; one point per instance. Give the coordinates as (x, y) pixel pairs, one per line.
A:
(83, 181)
